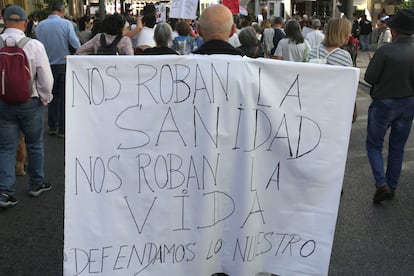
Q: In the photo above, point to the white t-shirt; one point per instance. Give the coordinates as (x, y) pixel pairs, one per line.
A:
(315, 38)
(289, 50)
(234, 40)
(145, 37)
(384, 37)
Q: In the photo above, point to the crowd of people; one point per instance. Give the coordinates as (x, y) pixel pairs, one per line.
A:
(335, 42)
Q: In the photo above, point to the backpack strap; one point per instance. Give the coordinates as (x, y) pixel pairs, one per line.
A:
(23, 41)
(103, 40)
(20, 44)
(116, 40)
(331, 52)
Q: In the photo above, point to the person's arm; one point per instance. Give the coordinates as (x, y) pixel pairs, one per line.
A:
(73, 38)
(44, 76)
(136, 30)
(278, 52)
(87, 48)
(375, 68)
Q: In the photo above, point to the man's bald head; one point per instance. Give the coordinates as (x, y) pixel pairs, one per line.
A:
(216, 23)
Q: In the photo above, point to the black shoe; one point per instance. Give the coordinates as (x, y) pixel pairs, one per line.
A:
(7, 200)
(37, 190)
(382, 193)
(52, 132)
(392, 195)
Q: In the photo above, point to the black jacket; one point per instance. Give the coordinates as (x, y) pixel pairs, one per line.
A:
(391, 69)
(217, 47)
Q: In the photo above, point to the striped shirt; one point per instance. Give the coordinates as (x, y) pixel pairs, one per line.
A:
(339, 57)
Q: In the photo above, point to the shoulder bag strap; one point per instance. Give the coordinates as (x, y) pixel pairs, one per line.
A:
(331, 52)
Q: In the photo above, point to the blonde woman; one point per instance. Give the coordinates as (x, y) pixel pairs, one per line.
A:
(337, 33)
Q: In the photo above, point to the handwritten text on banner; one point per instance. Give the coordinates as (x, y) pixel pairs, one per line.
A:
(191, 165)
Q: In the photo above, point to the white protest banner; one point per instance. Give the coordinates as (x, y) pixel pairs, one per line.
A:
(191, 165)
(161, 12)
(183, 9)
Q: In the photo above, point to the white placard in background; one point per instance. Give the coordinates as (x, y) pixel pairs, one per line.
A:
(183, 9)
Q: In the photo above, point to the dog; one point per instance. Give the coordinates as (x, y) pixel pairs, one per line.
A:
(21, 156)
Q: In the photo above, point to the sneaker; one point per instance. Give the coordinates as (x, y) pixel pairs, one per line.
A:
(382, 193)
(37, 190)
(7, 200)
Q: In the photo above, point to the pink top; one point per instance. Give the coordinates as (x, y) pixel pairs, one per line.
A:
(91, 46)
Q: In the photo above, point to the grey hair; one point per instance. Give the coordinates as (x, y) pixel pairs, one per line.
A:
(162, 34)
(247, 36)
(316, 23)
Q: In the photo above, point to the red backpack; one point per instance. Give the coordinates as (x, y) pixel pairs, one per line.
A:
(15, 86)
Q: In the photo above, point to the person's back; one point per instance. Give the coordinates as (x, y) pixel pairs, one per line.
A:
(184, 43)
(365, 28)
(337, 33)
(216, 26)
(316, 36)
(391, 74)
(249, 43)
(396, 77)
(385, 32)
(112, 28)
(144, 39)
(27, 116)
(162, 37)
(337, 56)
(57, 35)
(267, 40)
(294, 47)
(278, 32)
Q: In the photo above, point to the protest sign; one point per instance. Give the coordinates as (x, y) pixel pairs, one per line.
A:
(161, 12)
(191, 165)
(233, 5)
(183, 9)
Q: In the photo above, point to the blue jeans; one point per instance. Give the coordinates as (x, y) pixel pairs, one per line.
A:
(364, 40)
(396, 115)
(56, 109)
(28, 118)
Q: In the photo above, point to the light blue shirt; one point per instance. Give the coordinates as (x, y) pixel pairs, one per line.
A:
(56, 34)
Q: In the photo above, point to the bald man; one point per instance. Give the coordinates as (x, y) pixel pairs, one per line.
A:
(216, 26)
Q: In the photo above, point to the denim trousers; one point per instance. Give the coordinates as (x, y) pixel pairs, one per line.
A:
(364, 40)
(396, 115)
(28, 118)
(56, 109)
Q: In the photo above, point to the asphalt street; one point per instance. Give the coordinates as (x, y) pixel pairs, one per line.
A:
(369, 239)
